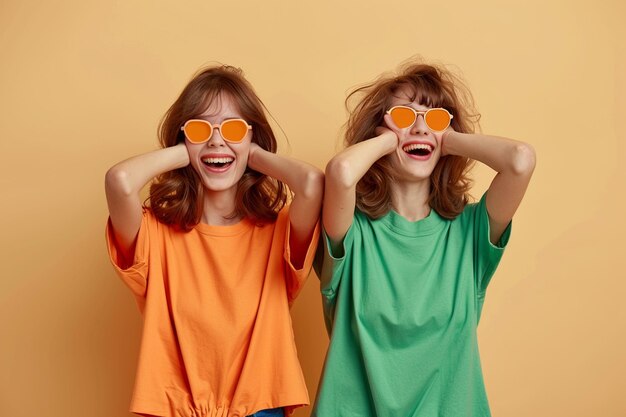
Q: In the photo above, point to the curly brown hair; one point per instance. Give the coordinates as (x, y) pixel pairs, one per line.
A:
(432, 86)
(176, 196)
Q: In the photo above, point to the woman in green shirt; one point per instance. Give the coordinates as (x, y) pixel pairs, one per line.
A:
(407, 260)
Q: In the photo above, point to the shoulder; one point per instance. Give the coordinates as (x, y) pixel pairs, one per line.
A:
(360, 221)
(470, 210)
(280, 222)
(156, 226)
(150, 219)
(283, 213)
(363, 218)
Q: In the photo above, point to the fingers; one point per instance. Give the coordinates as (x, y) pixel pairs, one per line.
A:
(381, 130)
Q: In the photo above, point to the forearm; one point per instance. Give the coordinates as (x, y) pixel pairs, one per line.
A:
(301, 178)
(503, 155)
(131, 175)
(348, 167)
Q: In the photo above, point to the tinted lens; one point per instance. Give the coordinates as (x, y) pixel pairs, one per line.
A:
(403, 116)
(437, 119)
(234, 130)
(197, 131)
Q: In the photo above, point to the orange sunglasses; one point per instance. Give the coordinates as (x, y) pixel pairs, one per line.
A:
(437, 119)
(200, 131)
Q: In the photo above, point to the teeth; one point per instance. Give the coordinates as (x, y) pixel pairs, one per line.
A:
(218, 160)
(413, 146)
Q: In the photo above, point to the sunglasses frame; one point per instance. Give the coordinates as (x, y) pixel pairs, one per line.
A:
(423, 113)
(213, 127)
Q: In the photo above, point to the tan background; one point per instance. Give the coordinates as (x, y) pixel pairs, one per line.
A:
(83, 85)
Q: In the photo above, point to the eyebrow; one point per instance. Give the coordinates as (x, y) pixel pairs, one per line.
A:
(227, 117)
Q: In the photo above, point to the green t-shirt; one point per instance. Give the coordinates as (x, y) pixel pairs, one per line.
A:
(401, 304)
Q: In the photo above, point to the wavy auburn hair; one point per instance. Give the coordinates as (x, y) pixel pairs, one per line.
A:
(432, 86)
(176, 196)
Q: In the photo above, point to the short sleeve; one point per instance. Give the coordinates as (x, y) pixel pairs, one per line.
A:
(297, 277)
(135, 276)
(486, 255)
(333, 262)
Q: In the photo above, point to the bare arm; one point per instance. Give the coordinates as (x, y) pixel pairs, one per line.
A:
(124, 181)
(307, 184)
(514, 162)
(343, 172)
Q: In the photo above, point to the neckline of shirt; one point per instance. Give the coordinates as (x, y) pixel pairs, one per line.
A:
(426, 226)
(228, 230)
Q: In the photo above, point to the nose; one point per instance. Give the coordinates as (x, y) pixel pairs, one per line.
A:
(419, 127)
(216, 139)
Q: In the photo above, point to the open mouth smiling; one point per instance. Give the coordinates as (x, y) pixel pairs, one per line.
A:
(218, 163)
(418, 149)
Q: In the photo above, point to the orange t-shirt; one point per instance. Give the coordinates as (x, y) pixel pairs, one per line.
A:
(217, 337)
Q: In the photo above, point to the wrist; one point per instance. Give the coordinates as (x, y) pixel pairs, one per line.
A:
(447, 142)
(182, 155)
(390, 140)
(252, 156)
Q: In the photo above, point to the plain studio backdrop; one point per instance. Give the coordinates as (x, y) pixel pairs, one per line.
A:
(83, 85)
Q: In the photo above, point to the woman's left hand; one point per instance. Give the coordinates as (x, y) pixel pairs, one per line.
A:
(441, 139)
(254, 149)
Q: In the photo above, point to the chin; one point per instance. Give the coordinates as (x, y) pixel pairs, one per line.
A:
(217, 186)
(418, 177)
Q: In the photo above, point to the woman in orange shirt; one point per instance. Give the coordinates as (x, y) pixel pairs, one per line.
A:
(217, 256)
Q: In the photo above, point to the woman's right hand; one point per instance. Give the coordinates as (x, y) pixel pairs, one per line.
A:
(390, 126)
(382, 131)
(389, 132)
